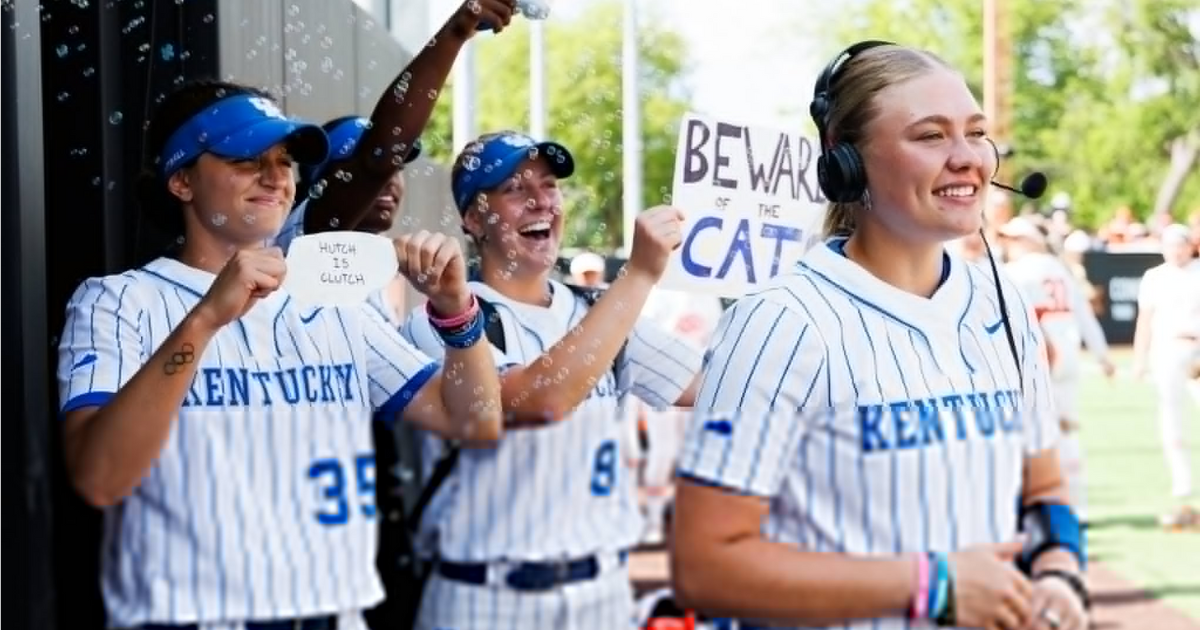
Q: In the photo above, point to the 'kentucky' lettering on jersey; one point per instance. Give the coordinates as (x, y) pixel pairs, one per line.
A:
(910, 424)
(260, 503)
(241, 387)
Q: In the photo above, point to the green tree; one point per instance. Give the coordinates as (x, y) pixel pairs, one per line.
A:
(1104, 90)
(583, 79)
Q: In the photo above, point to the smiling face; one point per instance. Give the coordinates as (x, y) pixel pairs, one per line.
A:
(240, 202)
(928, 158)
(520, 220)
(385, 208)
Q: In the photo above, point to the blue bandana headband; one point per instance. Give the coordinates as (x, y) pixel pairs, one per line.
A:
(343, 140)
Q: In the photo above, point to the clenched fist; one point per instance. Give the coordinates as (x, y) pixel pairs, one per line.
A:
(466, 20)
(249, 276)
(435, 265)
(656, 233)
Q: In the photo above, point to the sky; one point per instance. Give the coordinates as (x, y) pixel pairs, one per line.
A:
(753, 74)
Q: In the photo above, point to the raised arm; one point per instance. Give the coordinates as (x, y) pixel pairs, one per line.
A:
(398, 119)
(551, 386)
(118, 404)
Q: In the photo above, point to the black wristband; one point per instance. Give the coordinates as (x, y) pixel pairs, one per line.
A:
(948, 618)
(1073, 580)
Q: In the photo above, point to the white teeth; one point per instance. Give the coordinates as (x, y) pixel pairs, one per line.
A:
(956, 191)
(535, 227)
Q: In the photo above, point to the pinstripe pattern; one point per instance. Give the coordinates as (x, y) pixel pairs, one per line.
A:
(552, 492)
(238, 518)
(878, 422)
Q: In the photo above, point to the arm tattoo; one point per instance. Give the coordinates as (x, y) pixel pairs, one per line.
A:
(177, 360)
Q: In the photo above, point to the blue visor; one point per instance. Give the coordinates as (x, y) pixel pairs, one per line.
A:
(485, 165)
(242, 127)
(343, 139)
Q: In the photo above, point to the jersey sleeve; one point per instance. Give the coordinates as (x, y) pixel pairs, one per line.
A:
(396, 370)
(293, 227)
(763, 374)
(102, 344)
(663, 364)
(1038, 409)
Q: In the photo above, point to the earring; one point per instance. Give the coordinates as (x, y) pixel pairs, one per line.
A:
(866, 201)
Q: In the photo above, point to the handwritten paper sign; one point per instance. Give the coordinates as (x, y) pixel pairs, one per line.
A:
(336, 268)
(752, 205)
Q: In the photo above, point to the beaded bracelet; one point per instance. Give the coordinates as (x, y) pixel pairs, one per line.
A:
(457, 321)
(463, 336)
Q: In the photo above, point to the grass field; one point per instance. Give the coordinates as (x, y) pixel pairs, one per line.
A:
(1128, 488)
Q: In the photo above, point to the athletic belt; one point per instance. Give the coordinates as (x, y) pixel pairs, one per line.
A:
(310, 623)
(526, 576)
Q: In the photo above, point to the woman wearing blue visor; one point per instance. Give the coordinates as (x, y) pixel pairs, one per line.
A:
(534, 533)
(225, 430)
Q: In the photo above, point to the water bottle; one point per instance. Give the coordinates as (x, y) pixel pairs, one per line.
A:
(531, 9)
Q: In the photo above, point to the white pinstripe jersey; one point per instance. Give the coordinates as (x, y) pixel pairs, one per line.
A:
(555, 491)
(261, 503)
(875, 421)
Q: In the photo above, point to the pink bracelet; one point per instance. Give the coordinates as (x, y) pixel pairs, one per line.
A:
(462, 319)
(921, 598)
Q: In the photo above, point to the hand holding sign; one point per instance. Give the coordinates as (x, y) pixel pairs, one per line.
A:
(752, 201)
(249, 276)
(435, 266)
(656, 233)
(340, 267)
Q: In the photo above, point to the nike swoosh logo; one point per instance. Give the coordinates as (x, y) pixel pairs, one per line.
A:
(87, 359)
(310, 317)
(992, 328)
(720, 427)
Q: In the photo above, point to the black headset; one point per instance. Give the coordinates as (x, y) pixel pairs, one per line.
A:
(840, 170)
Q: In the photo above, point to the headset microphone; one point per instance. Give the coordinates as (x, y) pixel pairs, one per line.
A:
(1033, 186)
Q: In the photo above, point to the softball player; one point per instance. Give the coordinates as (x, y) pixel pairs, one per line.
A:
(1067, 321)
(224, 429)
(534, 534)
(864, 430)
(1167, 341)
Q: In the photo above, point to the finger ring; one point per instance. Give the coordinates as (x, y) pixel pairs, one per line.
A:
(1051, 617)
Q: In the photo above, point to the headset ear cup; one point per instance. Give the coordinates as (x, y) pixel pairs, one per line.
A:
(824, 179)
(844, 174)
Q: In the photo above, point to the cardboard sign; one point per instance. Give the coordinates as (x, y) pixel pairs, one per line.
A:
(752, 205)
(341, 267)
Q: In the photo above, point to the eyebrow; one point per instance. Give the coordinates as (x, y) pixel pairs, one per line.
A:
(944, 121)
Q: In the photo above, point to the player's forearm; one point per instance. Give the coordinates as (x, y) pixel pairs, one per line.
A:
(110, 448)
(399, 118)
(778, 583)
(551, 386)
(471, 392)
